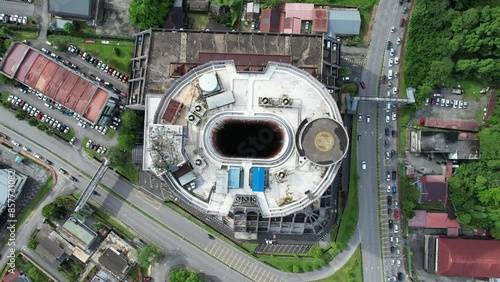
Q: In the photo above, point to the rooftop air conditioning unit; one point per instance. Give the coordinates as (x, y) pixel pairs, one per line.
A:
(199, 110)
(286, 101)
(193, 119)
(266, 101)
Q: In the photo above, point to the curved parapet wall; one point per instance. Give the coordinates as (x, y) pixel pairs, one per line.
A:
(275, 135)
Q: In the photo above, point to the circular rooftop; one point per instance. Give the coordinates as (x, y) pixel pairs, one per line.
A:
(208, 82)
(323, 141)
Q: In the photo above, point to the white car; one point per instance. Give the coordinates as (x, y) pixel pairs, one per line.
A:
(388, 93)
(399, 40)
(363, 165)
(393, 115)
(387, 119)
(388, 188)
(368, 118)
(395, 90)
(36, 155)
(392, 261)
(396, 228)
(390, 62)
(396, 60)
(392, 52)
(393, 29)
(398, 262)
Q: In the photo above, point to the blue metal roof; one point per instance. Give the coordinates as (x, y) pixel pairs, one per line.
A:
(234, 178)
(258, 179)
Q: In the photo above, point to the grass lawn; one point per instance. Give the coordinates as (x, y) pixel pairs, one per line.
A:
(30, 269)
(21, 35)
(89, 151)
(351, 271)
(102, 216)
(471, 88)
(249, 247)
(104, 52)
(349, 218)
(134, 272)
(44, 191)
(65, 136)
(5, 96)
(110, 132)
(293, 264)
(366, 16)
(200, 20)
(129, 171)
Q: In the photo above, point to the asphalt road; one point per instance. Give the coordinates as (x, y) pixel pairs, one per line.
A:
(77, 163)
(368, 190)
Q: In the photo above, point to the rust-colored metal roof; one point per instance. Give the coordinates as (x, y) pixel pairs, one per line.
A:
(434, 190)
(464, 125)
(303, 11)
(424, 219)
(320, 20)
(60, 84)
(171, 112)
(244, 59)
(468, 257)
(292, 25)
(270, 20)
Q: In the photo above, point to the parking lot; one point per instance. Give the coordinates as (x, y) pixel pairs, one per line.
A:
(282, 249)
(474, 106)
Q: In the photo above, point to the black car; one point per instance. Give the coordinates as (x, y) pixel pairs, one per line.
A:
(386, 143)
(73, 179)
(394, 175)
(391, 224)
(393, 154)
(48, 162)
(211, 236)
(392, 249)
(387, 131)
(389, 45)
(400, 276)
(389, 200)
(393, 133)
(389, 211)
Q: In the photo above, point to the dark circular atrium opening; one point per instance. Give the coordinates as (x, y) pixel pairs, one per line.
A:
(239, 138)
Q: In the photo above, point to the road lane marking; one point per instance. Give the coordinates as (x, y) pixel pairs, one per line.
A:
(213, 246)
(148, 200)
(239, 258)
(217, 254)
(218, 247)
(228, 252)
(258, 273)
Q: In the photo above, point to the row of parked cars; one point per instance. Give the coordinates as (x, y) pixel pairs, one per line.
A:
(98, 63)
(441, 101)
(96, 147)
(13, 19)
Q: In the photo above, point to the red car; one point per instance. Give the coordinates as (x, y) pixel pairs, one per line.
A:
(110, 70)
(40, 115)
(396, 214)
(402, 22)
(362, 84)
(384, 79)
(125, 79)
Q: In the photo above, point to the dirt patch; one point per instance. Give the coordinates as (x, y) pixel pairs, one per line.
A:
(368, 35)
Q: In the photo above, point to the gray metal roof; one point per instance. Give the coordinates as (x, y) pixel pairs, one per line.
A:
(346, 22)
(78, 8)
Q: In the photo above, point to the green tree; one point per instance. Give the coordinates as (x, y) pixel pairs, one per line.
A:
(20, 114)
(117, 51)
(148, 13)
(53, 211)
(34, 274)
(131, 119)
(178, 275)
(69, 28)
(116, 156)
(33, 243)
(194, 277)
(33, 121)
(148, 255)
(126, 139)
(440, 70)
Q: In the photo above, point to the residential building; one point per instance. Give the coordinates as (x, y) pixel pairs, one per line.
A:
(433, 189)
(343, 22)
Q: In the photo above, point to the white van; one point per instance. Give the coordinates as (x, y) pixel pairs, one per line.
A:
(388, 107)
(389, 75)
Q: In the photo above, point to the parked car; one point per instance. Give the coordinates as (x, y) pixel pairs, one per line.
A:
(391, 224)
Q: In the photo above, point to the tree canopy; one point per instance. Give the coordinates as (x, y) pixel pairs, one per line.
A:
(149, 254)
(475, 187)
(148, 13)
(451, 38)
(58, 208)
(183, 275)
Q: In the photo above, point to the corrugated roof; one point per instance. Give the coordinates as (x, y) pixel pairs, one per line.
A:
(344, 22)
(320, 20)
(431, 191)
(80, 231)
(468, 258)
(114, 262)
(75, 92)
(440, 220)
(464, 125)
(303, 11)
(258, 179)
(270, 20)
(172, 111)
(234, 178)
